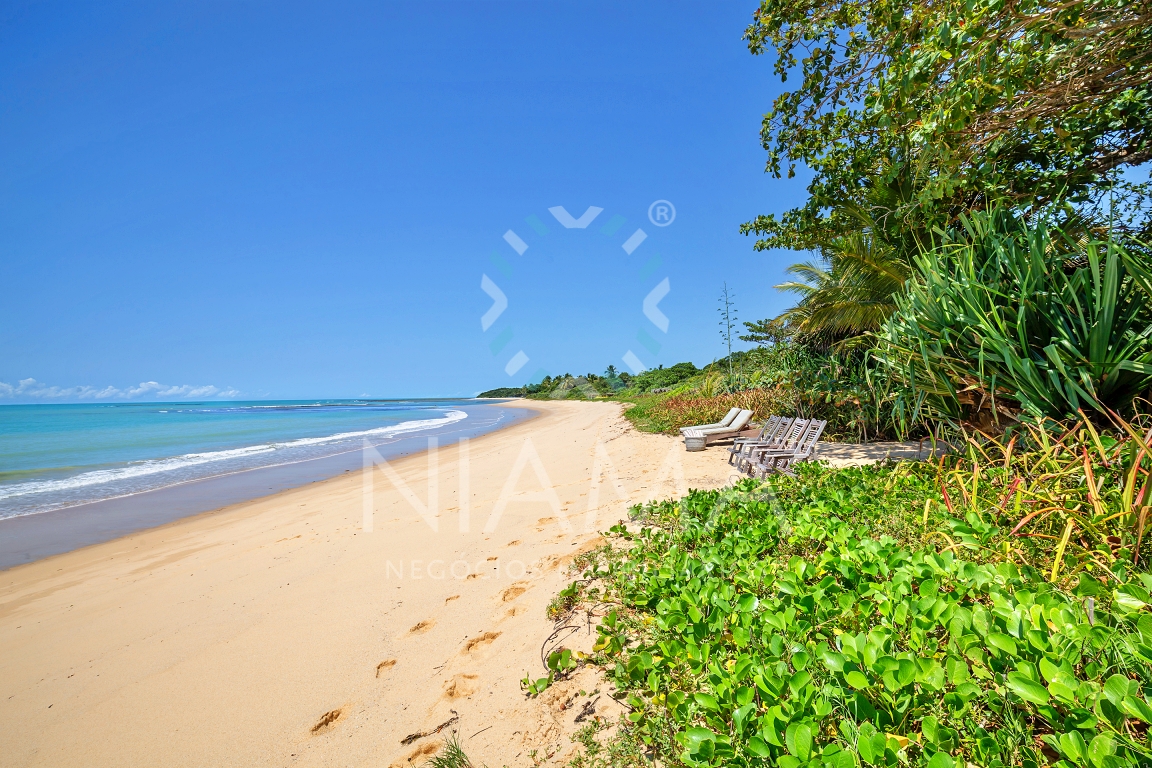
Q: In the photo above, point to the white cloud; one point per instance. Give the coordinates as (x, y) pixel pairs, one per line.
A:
(30, 389)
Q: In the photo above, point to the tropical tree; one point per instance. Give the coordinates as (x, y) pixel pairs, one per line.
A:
(850, 292)
(980, 100)
(850, 288)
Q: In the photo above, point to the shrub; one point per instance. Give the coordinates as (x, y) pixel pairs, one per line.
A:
(1007, 317)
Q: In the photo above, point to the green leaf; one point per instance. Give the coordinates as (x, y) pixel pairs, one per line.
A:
(864, 748)
(941, 760)
(757, 747)
(1073, 746)
(842, 759)
(834, 661)
(1100, 748)
(1002, 642)
(1027, 689)
(1116, 689)
(1062, 691)
(1088, 586)
(707, 701)
(1128, 600)
(798, 739)
(695, 740)
(1137, 708)
(957, 670)
(1048, 669)
(798, 681)
(906, 672)
(857, 680)
(928, 727)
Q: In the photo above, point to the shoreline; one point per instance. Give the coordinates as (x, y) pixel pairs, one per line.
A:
(31, 537)
(283, 631)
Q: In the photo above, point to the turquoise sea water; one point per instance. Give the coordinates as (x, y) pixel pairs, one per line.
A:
(57, 456)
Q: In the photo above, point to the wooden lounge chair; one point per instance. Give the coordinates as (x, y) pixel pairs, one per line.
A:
(713, 434)
(784, 460)
(774, 426)
(732, 414)
(784, 440)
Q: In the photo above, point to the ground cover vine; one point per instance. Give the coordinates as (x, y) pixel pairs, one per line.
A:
(848, 617)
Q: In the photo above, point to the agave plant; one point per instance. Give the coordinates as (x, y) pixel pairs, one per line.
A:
(1006, 317)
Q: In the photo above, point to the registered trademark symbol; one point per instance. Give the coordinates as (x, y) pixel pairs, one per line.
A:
(661, 213)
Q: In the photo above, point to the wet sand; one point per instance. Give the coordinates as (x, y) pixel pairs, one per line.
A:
(27, 538)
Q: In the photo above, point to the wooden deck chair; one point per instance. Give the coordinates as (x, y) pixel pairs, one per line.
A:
(772, 427)
(785, 440)
(784, 460)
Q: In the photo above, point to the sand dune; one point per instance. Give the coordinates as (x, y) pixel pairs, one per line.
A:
(283, 632)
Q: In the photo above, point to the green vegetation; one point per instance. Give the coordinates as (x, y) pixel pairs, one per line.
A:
(451, 755)
(915, 614)
(982, 274)
(1012, 319)
(956, 104)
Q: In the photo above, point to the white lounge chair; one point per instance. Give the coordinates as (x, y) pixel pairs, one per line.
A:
(732, 414)
(712, 434)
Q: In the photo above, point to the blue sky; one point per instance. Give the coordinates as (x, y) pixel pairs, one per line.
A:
(285, 200)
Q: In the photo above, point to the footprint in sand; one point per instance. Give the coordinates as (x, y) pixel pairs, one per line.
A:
(424, 750)
(423, 626)
(460, 686)
(384, 666)
(513, 592)
(513, 543)
(450, 599)
(326, 721)
(481, 640)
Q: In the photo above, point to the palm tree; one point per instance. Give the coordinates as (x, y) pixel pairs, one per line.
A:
(851, 289)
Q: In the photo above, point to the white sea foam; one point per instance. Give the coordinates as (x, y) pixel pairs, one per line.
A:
(175, 463)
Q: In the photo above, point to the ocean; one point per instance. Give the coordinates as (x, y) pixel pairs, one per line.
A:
(55, 457)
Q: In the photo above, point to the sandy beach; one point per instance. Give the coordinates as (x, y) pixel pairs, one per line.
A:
(308, 628)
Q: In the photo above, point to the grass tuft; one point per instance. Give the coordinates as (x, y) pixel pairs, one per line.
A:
(451, 755)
